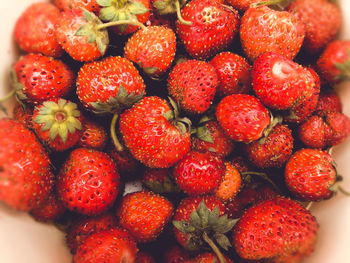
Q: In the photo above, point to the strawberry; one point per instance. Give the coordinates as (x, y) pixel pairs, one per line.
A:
(310, 175)
(210, 137)
(112, 245)
(143, 257)
(82, 228)
(144, 215)
(275, 228)
(58, 123)
(329, 100)
(157, 20)
(273, 150)
(51, 210)
(26, 179)
(90, 5)
(159, 180)
(278, 31)
(322, 20)
(193, 85)
(241, 164)
(242, 117)
(210, 28)
(79, 35)
(94, 136)
(175, 254)
(208, 257)
(334, 63)
(231, 183)
(199, 173)
(153, 134)
(152, 48)
(35, 30)
(23, 114)
(233, 73)
(37, 78)
(242, 5)
(88, 182)
(109, 85)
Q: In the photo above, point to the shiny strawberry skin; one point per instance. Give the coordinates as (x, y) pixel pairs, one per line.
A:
(94, 136)
(329, 100)
(277, 31)
(90, 5)
(230, 184)
(213, 28)
(35, 30)
(51, 210)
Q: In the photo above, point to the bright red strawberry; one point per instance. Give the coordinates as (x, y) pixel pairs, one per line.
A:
(83, 227)
(153, 134)
(273, 150)
(90, 5)
(144, 215)
(199, 173)
(37, 78)
(275, 228)
(241, 164)
(329, 100)
(58, 123)
(231, 183)
(334, 63)
(109, 246)
(152, 48)
(109, 85)
(276, 31)
(35, 30)
(88, 182)
(23, 114)
(213, 27)
(322, 20)
(175, 254)
(94, 136)
(310, 175)
(242, 5)
(210, 137)
(208, 257)
(144, 257)
(51, 210)
(193, 85)
(25, 176)
(233, 73)
(159, 180)
(243, 117)
(79, 36)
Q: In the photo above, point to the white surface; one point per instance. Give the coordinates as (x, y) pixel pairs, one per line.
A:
(22, 240)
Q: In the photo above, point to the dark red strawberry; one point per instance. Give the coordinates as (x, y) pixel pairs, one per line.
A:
(242, 117)
(144, 215)
(109, 85)
(329, 100)
(231, 183)
(277, 31)
(144, 257)
(233, 73)
(112, 245)
(88, 182)
(175, 254)
(90, 5)
(152, 133)
(322, 20)
(152, 48)
(37, 78)
(211, 28)
(159, 181)
(35, 30)
(208, 257)
(26, 179)
(241, 164)
(157, 20)
(58, 123)
(23, 114)
(310, 175)
(51, 210)
(193, 85)
(94, 136)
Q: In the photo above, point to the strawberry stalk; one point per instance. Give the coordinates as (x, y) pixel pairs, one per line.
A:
(118, 146)
(121, 22)
(214, 247)
(281, 4)
(265, 177)
(8, 96)
(179, 16)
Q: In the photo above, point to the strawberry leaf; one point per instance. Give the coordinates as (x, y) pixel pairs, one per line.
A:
(104, 3)
(223, 241)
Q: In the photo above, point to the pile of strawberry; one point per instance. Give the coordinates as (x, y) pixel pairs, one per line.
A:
(224, 110)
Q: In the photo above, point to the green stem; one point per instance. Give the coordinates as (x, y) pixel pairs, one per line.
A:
(121, 22)
(118, 146)
(269, 2)
(9, 95)
(309, 205)
(343, 191)
(265, 177)
(214, 247)
(179, 16)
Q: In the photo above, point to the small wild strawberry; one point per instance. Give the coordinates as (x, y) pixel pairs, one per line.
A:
(230, 184)
(242, 5)
(329, 100)
(94, 136)
(90, 5)
(23, 114)
(51, 210)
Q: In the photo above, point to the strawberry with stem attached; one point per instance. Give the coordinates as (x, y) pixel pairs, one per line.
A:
(168, 7)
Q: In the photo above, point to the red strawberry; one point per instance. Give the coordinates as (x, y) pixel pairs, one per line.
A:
(242, 5)
(231, 183)
(275, 228)
(310, 174)
(157, 20)
(193, 85)
(199, 173)
(25, 177)
(58, 123)
(37, 78)
(242, 117)
(175, 254)
(152, 133)
(79, 36)
(90, 5)
(82, 228)
(277, 31)
(273, 150)
(143, 257)
(144, 215)
(233, 73)
(113, 245)
(152, 48)
(208, 257)
(159, 180)
(51, 210)
(241, 164)
(35, 30)
(109, 85)
(322, 20)
(329, 100)
(211, 28)
(88, 182)
(334, 63)
(210, 137)
(94, 136)
(23, 114)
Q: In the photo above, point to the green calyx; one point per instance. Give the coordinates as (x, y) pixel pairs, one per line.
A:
(202, 132)
(167, 186)
(17, 86)
(344, 69)
(183, 124)
(275, 4)
(59, 118)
